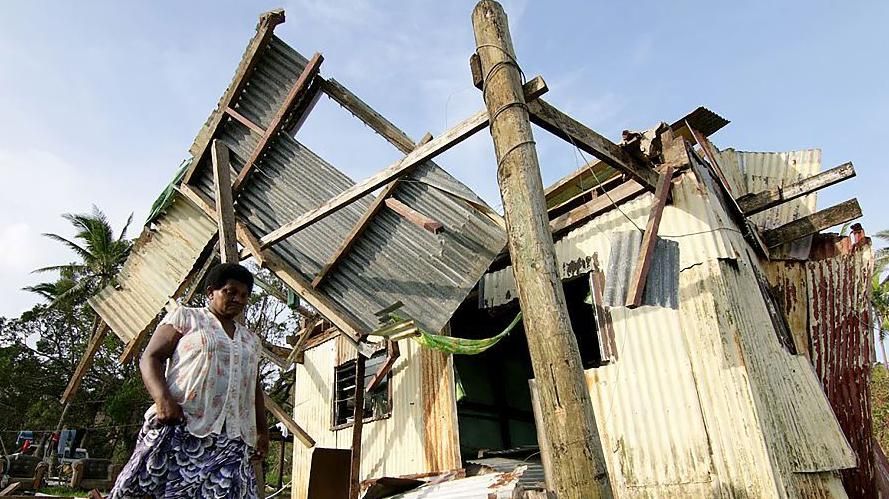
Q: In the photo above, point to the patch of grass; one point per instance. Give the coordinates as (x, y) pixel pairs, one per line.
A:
(58, 490)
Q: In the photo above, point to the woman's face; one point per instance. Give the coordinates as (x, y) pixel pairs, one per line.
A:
(229, 301)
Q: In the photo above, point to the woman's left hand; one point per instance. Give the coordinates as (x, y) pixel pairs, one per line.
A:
(262, 446)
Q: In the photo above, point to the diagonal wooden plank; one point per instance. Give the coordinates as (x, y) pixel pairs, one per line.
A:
(360, 226)
(387, 366)
(436, 146)
(297, 92)
(596, 206)
(245, 121)
(818, 221)
(85, 362)
(752, 204)
(264, 32)
(365, 113)
(288, 421)
(649, 239)
(560, 124)
(413, 216)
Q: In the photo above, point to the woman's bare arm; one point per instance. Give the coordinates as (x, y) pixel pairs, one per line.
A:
(262, 423)
(160, 348)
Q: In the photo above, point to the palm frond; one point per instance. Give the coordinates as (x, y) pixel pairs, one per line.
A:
(71, 268)
(81, 252)
(123, 232)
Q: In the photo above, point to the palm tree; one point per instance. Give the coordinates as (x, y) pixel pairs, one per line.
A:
(880, 304)
(101, 257)
(882, 254)
(880, 292)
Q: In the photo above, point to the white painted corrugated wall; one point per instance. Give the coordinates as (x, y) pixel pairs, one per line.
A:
(418, 436)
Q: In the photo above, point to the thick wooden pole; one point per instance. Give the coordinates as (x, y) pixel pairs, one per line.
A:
(225, 212)
(578, 461)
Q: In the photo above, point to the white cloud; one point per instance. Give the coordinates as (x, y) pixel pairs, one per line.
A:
(42, 187)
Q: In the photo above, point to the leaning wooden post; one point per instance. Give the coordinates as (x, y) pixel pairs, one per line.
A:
(578, 461)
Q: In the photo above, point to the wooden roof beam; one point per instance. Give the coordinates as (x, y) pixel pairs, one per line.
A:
(567, 128)
(752, 204)
(292, 278)
(264, 32)
(814, 223)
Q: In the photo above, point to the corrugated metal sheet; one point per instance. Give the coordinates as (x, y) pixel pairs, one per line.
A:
(532, 478)
(702, 232)
(492, 486)
(827, 301)
(703, 120)
(764, 170)
(159, 262)
(390, 447)
(393, 260)
(662, 283)
(646, 405)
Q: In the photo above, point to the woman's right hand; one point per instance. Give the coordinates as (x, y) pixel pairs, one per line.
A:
(169, 412)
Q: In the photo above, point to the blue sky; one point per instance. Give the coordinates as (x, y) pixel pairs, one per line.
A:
(101, 100)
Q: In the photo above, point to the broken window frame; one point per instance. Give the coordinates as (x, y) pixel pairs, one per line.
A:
(382, 391)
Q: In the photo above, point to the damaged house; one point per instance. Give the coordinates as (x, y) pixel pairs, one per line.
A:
(725, 342)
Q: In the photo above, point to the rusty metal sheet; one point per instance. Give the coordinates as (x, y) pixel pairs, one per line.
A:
(842, 349)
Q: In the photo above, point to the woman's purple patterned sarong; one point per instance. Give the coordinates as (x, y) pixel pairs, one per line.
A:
(170, 462)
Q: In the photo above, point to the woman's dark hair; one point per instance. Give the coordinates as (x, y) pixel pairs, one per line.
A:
(224, 272)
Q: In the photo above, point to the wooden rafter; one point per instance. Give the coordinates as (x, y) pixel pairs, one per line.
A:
(245, 121)
(421, 154)
(596, 206)
(752, 204)
(360, 226)
(296, 93)
(264, 32)
(575, 132)
(818, 221)
(365, 113)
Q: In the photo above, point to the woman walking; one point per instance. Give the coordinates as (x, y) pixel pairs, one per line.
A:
(208, 418)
